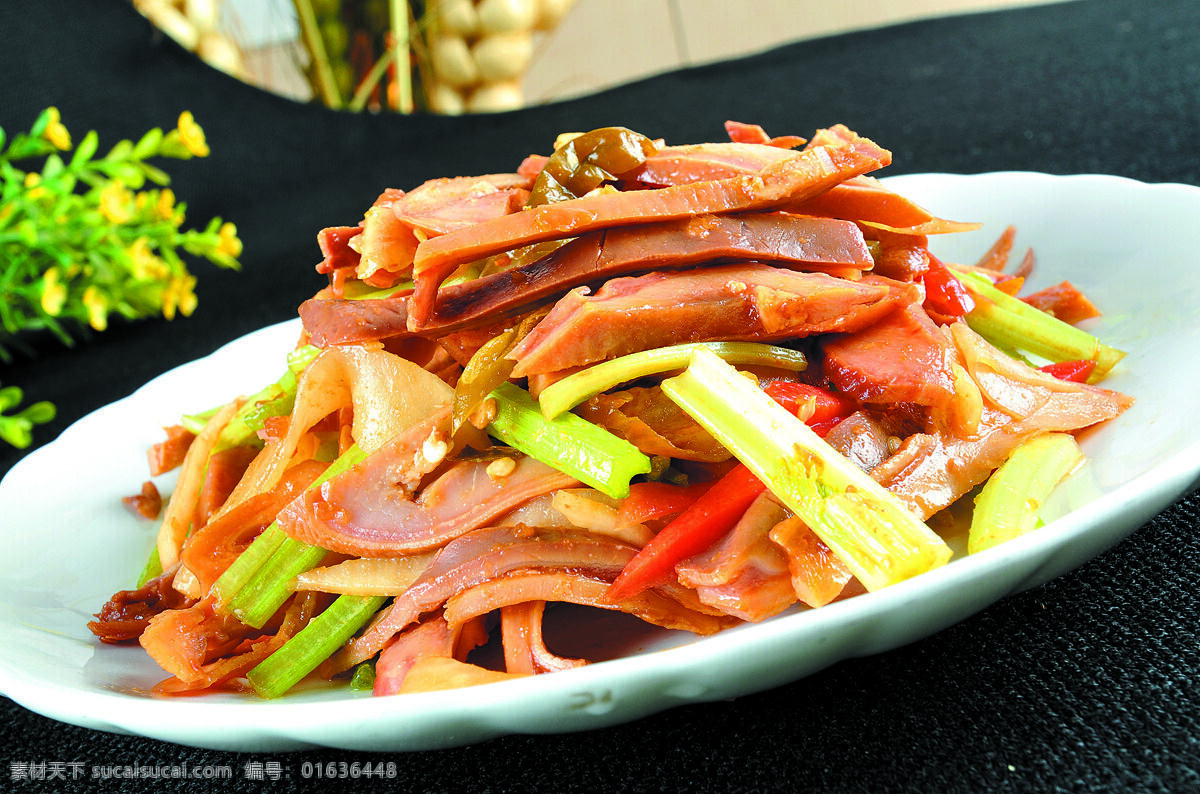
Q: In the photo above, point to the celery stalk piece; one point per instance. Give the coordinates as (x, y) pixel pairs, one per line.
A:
(1011, 322)
(1007, 505)
(248, 563)
(867, 527)
(194, 423)
(569, 443)
(360, 291)
(271, 585)
(277, 399)
(574, 389)
(316, 642)
(152, 569)
(271, 548)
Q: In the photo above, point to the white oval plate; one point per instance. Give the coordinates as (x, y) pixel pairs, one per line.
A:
(68, 543)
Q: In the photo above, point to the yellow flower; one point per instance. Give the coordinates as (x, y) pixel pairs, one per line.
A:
(116, 203)
(191, 135)
(166, 204)
(146, 266)
(228, 242)
(97, 308)
(54, 292)
(55, 132)
(33, 181)
(179, 296)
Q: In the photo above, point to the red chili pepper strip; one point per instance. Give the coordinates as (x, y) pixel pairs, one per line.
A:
(1077, 371)
(944, 293)
(650, 500)
(829, 408)
(699, 526)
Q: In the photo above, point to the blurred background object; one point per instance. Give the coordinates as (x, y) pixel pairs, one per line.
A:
(495, 55)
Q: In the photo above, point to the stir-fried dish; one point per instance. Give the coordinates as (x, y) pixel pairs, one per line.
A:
(699, 384)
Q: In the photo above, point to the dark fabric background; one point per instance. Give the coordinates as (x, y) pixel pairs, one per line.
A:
(1088, 683)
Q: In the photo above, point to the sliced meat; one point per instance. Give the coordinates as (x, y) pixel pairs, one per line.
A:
(904, 257)
(753, 133)
(575, 588)
(391, 229)
(732, 302)
(476, 557)
(903, 358)
(525, 648)
(931, 470)
(745, 574)
(818, 575)
(440, 206)
(128, 612)
(336, 252)
(370, 512)
(431, 637)
(702, 162)
(792, 241)
(861, 438)
(649, 420)
(800, 176)
(340, 321)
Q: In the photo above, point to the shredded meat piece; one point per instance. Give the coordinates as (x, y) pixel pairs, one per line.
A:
(802, 175)
(726, 303)
(169, 454)
(148, 503)
(128, 612)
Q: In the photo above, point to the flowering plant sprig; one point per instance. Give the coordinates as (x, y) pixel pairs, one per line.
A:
(17, 429)
(86, 237)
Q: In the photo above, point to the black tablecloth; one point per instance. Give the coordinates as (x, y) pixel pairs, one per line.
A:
(1086, 683)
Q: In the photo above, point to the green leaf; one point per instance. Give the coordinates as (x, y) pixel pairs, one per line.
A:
(119, 152)
(52, 168)
(42, 121)
(85, 149)
(148, 145)
(17, 432)
(39, 413)
(9, 397)
(25, 146)
(155, 175)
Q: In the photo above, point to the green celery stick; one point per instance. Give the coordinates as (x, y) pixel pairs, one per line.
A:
(873, 533)
(361, 291)
(271, 584)
(574, 389)
(315, 643)
(152, 569)
(568, 442)
(194, 423)
(271, 547)
(247, 564)
(276, 399)
(1007, 505)
(1008, 321)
